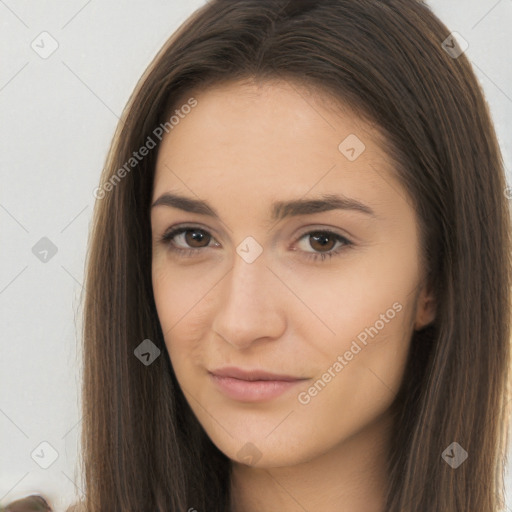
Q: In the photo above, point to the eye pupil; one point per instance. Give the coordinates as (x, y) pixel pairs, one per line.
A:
(322, 239)
(197, 236)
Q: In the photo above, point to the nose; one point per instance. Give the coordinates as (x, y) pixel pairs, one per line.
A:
(251, 304)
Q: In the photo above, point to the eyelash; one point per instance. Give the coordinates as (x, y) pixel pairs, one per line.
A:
(166, 239)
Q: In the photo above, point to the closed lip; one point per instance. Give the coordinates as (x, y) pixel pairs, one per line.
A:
(249, 375)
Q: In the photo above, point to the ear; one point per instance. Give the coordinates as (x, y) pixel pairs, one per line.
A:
(425, 308)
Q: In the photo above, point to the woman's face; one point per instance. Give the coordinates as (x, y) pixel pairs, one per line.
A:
(300, 258)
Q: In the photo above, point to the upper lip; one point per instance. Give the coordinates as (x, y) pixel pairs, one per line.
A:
(240, 373)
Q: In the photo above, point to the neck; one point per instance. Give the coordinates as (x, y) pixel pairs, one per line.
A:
(351, 476)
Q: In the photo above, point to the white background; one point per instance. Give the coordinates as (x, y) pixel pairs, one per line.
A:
(58, 116)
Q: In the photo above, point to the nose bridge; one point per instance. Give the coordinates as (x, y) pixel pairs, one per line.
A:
(247, 308)
(246, 284)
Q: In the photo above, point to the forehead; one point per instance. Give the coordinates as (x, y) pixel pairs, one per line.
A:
(268, 138)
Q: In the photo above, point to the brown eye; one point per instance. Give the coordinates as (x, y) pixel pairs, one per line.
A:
(322, 241)
(187, 240)
(196, 237)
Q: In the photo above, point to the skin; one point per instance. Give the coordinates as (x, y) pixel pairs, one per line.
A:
(242, 147)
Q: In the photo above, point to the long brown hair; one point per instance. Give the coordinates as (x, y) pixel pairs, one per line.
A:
(142, 447)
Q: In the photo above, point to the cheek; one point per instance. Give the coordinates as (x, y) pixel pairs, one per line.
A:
(180, 298)
(338, 407)
(179, 292)
(371, 316)
(362, 374)
(367, 297)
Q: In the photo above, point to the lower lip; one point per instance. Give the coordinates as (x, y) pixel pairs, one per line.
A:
(253, 391)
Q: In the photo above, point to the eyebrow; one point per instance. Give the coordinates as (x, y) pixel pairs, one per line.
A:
(280, 209)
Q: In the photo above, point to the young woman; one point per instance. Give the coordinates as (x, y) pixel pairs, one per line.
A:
(298, 291)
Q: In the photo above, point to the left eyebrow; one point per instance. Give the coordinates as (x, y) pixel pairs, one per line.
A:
(280, 209)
